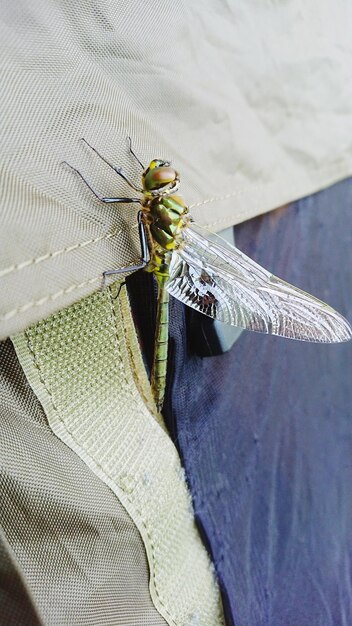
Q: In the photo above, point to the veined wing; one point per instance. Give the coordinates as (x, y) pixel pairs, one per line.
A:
(225, 284)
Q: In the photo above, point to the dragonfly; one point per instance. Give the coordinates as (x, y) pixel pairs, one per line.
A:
(209, 275)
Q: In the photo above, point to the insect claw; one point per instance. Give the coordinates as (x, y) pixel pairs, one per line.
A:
(133, 153)
(91, 147)
(69, 165)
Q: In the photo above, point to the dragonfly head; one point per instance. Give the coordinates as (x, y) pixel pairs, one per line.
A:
(160, 178)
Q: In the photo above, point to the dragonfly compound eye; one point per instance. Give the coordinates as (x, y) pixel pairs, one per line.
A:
(158, 177)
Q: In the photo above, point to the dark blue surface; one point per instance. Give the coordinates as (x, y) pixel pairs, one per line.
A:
(265, 433)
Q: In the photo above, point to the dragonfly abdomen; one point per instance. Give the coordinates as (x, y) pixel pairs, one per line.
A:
(166, 217)
(158, 379)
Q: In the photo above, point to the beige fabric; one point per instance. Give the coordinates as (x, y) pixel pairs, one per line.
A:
(251, 101)
(16, 608)
(68, 549)
(79, 365)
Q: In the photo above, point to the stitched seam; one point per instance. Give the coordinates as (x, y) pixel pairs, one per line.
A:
(133, 364)
(238, 192)
(153, 570)
(154, 559)
(331, 167)
(24, 307)
(256, 214)
(131, 501)
(52, 255)
(119, 353)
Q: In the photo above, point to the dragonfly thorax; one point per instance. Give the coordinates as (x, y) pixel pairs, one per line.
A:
(167, 216)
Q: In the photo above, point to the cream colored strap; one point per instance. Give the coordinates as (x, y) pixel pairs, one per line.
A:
(84, 365)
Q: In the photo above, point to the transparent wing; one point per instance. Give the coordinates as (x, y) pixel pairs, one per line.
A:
(223, 283)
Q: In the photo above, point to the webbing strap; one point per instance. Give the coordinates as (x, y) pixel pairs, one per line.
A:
(84, 365)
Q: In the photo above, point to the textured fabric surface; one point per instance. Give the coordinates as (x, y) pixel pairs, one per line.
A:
(72, 553)
(265, 434)
(79, 364)
(16, 608)
(251, 101)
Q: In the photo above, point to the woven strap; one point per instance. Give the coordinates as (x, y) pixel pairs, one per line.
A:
(84, 365)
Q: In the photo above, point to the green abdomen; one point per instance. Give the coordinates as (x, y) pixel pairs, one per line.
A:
(168, 220)
(158, 379)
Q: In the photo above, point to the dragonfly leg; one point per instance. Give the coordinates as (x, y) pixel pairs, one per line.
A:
(134, 154)
(117, 170)
(144, 257)
(101, 198)
(119, 289)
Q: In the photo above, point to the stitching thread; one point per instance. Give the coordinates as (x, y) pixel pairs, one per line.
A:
(114, 320)
(133, 365)
(51, 255)
(238, 192)
(24, 307)
(330, 168)
(123, 370)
